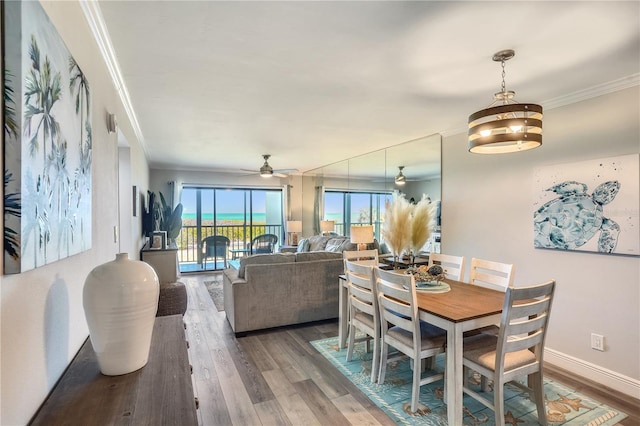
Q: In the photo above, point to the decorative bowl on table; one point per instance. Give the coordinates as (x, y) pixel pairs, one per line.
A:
(427, 275)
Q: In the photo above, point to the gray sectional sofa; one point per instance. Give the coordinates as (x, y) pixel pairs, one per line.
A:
(272, 290)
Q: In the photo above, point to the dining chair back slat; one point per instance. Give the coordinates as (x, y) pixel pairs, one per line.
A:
(453, 265)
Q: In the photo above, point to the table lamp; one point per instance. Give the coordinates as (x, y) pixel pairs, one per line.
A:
(293, 227)
(362, 235)
(327, 226)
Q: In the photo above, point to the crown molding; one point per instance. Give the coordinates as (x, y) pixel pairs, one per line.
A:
(98, 27)
(593, 92)
(574, 97)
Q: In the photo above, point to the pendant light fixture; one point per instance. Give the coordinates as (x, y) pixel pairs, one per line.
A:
(505, 125)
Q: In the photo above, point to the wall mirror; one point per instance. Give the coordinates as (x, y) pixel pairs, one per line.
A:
(420, 160)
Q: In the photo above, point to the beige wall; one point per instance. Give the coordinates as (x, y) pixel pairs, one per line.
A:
(42, 318)
(487, 212)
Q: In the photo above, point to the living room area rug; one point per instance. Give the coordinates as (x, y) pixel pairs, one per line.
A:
(214, 287)
(565, 406)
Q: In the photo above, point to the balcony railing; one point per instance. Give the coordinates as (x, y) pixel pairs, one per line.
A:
(189, 241)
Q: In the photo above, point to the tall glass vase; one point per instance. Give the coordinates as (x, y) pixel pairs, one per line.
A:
(120, 301)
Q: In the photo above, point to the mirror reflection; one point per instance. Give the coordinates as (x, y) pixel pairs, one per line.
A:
(354, 191)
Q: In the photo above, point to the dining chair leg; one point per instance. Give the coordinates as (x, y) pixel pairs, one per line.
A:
(384, 352)
(351, 342)
(484, 384)
(537, 386)
(415, 388)
(375, 361)
(498, 402)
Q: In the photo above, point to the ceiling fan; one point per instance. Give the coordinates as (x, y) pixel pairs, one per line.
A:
(266, 171)
(401, 179)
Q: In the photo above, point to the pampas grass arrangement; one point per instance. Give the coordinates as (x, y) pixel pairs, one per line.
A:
(407, 227)
(396, 231)
(422, 222)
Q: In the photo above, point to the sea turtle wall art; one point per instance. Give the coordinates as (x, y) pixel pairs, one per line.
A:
(589, 206)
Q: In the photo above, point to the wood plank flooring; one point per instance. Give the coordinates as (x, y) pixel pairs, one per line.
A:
(276, 377)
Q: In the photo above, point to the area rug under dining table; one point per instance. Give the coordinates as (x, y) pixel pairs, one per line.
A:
(564, 405)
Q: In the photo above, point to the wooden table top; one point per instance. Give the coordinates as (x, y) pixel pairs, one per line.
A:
(464, 302)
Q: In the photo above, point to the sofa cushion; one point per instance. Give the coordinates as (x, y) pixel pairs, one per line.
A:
(316, 255)
(265, 259)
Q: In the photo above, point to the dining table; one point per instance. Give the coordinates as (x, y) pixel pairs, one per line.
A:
(462, 308)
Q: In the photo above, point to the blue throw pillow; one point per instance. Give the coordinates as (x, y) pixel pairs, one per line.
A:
(303, 245)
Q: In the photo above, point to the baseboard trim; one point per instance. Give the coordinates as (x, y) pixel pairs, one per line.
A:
(611, 379)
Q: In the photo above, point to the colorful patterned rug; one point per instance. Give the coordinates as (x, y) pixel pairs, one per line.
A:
(564, 405)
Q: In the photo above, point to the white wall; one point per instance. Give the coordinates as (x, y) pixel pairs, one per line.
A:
(42, 319)
(487, 212)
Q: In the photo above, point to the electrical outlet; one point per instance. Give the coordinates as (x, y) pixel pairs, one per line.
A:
(597, 342)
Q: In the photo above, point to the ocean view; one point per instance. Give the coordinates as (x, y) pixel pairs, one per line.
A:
(225, 217)
(239, 217)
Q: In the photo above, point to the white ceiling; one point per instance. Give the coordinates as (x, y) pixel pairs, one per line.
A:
(214, 85)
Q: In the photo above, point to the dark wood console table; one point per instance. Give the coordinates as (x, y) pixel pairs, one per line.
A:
(160, 393)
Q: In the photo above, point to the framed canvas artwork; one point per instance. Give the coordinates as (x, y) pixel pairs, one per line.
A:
(589, 205)
(47, 143)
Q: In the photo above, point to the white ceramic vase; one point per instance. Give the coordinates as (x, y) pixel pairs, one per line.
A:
(120, 301)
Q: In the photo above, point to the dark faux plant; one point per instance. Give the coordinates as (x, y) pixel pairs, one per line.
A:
(161, 217)
(149, 223)
(170, 220)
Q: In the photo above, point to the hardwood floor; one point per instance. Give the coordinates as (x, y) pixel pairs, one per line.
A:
(276, 377)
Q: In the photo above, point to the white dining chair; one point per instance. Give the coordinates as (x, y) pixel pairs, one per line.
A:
(403, 330)
(490, 274)
(516, 351)
(364, 257)
(496, 276)
(453, 265)
(363, 311)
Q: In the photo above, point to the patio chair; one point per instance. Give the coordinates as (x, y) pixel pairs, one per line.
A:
(215, 246)
(265, 243)
(516, 351)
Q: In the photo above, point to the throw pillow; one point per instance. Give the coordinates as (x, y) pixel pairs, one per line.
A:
(303, 245)
(335, 244)
(318, 242)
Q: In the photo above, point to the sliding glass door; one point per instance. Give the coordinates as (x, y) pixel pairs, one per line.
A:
(239, 214)
(355, 208)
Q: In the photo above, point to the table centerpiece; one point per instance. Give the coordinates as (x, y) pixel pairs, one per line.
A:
(427, 275)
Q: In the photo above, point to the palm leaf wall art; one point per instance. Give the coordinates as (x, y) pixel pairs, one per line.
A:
(47, 140)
